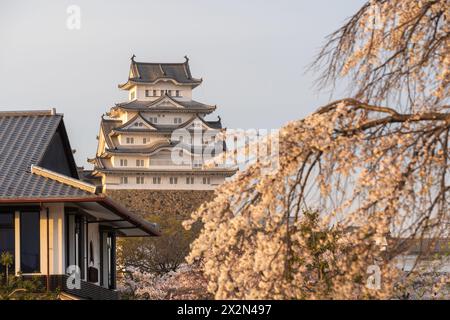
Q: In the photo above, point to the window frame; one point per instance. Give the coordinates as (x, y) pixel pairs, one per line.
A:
(35, 241)
(9, 227)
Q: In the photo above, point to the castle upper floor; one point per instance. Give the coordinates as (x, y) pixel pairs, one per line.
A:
(149, 81)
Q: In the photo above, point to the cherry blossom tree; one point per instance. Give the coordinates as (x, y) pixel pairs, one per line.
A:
(186, 283)
(373, 167)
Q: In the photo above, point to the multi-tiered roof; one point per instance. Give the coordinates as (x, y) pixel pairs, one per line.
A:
(167, 88)
(150, 73)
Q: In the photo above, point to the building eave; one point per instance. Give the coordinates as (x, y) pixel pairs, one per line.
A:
(103, 200)
(134, 82)
(63, 179)
(222, 172)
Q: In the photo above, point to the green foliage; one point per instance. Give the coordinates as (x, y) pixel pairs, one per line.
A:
(160, 254)
(322, 244)
(19, 288)
(6, 259)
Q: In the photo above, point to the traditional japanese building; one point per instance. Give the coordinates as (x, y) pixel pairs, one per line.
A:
(160, 138)
(51, 223)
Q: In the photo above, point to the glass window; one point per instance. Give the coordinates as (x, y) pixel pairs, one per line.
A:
(30, 242)
(7, 237)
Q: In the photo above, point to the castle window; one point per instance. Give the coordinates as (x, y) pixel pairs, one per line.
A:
(132, 95)
(197, 163)
(147, 93)
(123, 162)
(130, 140)
(177, 93)
(139, 179)
(154, 93)
(123, 180)
(162, 92)
(144, 140)
(206, 180)
(153, 119)
(173, 180)
(156, 180)
(177, 120)
(169, 92)
(189, 180)
(139, 163)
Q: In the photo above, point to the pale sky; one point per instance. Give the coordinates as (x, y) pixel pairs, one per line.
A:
(251, 55)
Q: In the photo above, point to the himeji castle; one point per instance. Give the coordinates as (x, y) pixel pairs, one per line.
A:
(159, 138)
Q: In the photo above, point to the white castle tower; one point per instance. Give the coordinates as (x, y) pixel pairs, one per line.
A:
(158, 138)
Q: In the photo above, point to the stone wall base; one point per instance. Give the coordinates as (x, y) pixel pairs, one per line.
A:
(161, 202)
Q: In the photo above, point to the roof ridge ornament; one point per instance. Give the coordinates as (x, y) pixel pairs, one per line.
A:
(162, 70)
(186, 68)
(132, 58)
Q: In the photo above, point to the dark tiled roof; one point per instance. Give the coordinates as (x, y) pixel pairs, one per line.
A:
(24, 138)
(190, 105)
(164, 144)
(160, 128)
(151, 72)
(213, 124)
(107, 125)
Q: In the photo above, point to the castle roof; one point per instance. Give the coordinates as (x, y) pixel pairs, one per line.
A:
(180, 105)
(163, 144)
(116, 126)
(152, 72)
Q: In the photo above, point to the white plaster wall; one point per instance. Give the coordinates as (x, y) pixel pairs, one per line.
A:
(113, 182)
(139, 140)
(127, 116)
(167, 118)
(185, 91)
(56, 239)
(131, 161)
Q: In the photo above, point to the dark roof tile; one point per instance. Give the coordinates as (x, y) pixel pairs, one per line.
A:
(24, 138)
